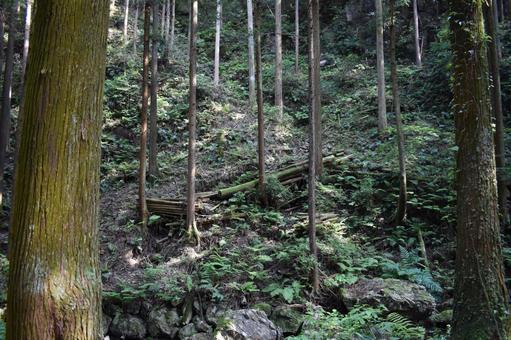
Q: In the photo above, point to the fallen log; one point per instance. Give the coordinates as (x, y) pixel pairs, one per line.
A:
(282, 175)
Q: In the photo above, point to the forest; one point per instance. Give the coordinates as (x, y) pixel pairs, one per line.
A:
(255, 169)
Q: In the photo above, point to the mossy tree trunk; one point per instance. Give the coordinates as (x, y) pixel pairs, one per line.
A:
(380, 68)
(54, 277)
(401, 205)
(480, 295)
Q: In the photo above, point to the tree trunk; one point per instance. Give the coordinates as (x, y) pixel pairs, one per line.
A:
(251, 65)
(496, 99)
(380, 66)
(153, 119)
(216, 80)
(297, 36)
(163, 14)
(1, 39)
(5, 118)
(135, 29)
(480, 295)
(172, 28)
(26, 42)
(167, 31)
(126, 16)
(260, 108)
(401, 206)
(142, 205)
(418, 52)
(54, 276)
(315, 62)
(192, 124)
(279, 100)
(314, 96)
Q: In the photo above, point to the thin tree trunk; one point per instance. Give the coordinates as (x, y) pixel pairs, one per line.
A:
(496, 95)
(172, 28)
(315, 63)
(26, 42)
(251, 64)
(496, 20)
(401, 206)
(54, 277)
(501, 10)
(153, 119)
(1, 39)
(167, 31)
(163, 14)
(126, 17)
(418, 51)
(313, 113)
(5, 118)
(216, 80)
(297, 36)
(481, 309)
(135, 29)
(260, 108)
(192, 124)
(380, 66)
(279, 100)
(142, 204)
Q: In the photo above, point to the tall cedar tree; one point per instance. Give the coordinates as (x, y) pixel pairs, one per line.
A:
(192, 123)
(297, 36)
(26, 41)
(251, 63)
(314, 95)
(5, 113)
(279, 100)
(126, 17)
(167, 31)
(416, 33)
(380, 68)
(480, 295)
(135, 28)
(260, 107)
(54, 277)
(401, 206)
(496, 99)
(142, 157)
(153, 117)
(218, 34)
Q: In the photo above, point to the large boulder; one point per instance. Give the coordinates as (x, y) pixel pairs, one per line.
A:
(246, 324)
(106, 321)
(163, 322)
(288, 318)
(400, 296)
(128, 327)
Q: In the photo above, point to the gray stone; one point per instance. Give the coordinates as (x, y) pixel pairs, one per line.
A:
(288, 318)
(405, 297)
(442, 319)
(163, 322)
(201, 336)
(246, 324)
(105, 323)
(132, 306)
(128, 326)
(201, 325)
(212, 314)
(187, 331)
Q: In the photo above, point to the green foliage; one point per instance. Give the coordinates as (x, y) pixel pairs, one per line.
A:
(2, 329)
(288, 292)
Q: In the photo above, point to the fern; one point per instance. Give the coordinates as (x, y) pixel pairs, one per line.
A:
(399, 327)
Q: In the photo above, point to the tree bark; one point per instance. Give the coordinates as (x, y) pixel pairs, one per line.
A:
(172, 28)
(126, 17)
(26, 41)
(314, 95)
(153, 119)
(260, 109)
(167, 31)
(279, 100)
(480, 295)
(5, 117)
(54, 276)
(163, 14)
(251, 64)
(314, 39)
(192, 124)
(297, 36)
(418, 51)
(380, 66)
(496, 100)
(401, 206)
(142, 205)
(218, 35)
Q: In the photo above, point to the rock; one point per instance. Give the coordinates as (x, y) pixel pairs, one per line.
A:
(443, 318)
(132, 306)
(263, 306)
(212, 314)
(201, 325)
(163, 322)
(404, 297)
(200, 336)
(128, 326)
(246, 324)
(288, 318)
(187, 331)
(105, 323)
